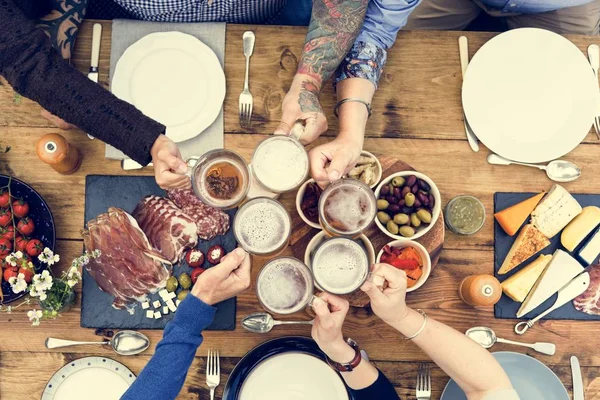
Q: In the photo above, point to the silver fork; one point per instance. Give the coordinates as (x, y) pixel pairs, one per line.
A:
(213, 372)
(424, 382)
(246, 101)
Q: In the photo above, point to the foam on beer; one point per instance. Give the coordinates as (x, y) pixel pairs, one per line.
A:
(340, 266)
(348, 209)
(280, 164)
(262, 226)
(284, 286)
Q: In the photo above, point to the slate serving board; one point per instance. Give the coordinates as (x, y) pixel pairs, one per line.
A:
(506, 308)
(102, 192)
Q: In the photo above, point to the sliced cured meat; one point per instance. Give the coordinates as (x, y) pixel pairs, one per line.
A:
(589, 301)
(210, 221)
(128, 267)
(169, 230)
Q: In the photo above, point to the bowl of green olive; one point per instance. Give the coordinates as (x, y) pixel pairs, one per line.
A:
(408, 205)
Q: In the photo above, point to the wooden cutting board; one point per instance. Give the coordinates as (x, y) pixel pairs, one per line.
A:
(433, 241)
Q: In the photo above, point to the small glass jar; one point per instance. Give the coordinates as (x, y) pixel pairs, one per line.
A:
(464, 215)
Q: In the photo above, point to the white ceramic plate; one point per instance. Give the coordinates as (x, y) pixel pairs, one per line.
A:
(174, 78)
(90, 378)
(293, 376)
(530, 95)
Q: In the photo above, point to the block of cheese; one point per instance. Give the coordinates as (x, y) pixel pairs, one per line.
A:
(580, 227)
(511, 218)
(518, 286)
(561, 269)
(591, 249)
(555, 211)
(529, 241)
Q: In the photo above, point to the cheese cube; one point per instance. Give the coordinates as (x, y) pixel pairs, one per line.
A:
(171, 306)
(145, 305)
(172, 295)
(163, 294)
(149, 314)
(157, 315)
(165, 310)
(156, 304)
(178, 302)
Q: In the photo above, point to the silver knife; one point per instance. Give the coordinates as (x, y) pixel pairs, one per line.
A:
(577, 379)
(594, 57)
(93, 74)
(463, 47)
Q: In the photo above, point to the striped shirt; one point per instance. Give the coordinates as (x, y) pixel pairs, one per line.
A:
(235, 11)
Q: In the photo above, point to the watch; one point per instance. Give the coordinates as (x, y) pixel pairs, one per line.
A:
(347, 367)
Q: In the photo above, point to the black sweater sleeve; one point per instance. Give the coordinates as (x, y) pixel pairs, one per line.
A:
(37, 71)
(381, 389)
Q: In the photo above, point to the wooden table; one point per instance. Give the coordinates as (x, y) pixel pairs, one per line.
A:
(417, 117)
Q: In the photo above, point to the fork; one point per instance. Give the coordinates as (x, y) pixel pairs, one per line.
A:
(213, 372)
(424, 382)
(246, 101)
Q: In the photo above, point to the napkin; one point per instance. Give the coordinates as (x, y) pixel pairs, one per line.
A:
(127, 32)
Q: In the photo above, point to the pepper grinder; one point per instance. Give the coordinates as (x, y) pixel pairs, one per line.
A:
(54, 150)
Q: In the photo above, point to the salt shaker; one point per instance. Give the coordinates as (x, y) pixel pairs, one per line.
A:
(480, 290)
(54, 150)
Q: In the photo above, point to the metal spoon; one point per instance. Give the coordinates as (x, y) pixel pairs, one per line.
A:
(557, 170)
(486, 337)
(126, 343)
(263, 322)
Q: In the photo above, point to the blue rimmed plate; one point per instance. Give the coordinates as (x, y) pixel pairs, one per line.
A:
(41, 215)
(290, 367)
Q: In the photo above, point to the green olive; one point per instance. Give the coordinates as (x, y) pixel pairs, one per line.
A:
(424, 215)
(383, 217)
(409, 199)
(185, 281)
(382, 204)
(182, 295)
(414, 220)
(392, 227)
(401, 219)
(407, 231)
(172, 284)
(398, 181)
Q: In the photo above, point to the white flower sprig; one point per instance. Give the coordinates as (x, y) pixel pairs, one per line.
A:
(35, 316)
(17, 283)
(48, 257)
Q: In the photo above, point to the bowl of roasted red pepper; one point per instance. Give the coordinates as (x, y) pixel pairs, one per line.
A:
(410, 257)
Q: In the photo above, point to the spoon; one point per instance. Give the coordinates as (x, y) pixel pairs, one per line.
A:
(263, 322)
(486, 337)
(125, 343)
(557, 170)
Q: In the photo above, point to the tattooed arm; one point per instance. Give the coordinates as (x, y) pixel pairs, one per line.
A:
(62, 24)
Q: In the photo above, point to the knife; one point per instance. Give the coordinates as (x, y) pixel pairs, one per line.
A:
(93, 74)
(463, 47)
(577, 379)
(594, 56)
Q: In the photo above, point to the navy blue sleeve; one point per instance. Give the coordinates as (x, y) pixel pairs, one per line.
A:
(381, 389)
(165, 374)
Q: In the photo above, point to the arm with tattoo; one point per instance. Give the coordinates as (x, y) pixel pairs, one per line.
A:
(62, 24)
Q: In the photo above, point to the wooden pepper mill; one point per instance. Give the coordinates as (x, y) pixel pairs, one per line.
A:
(480, 290)
(54, 150)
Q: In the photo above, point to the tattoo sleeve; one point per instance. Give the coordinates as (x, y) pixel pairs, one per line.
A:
(62, 24)
(334, 26)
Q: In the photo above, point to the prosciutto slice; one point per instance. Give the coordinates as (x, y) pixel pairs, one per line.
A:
(210, 221)
(589, 301)
(169, 230)
(128, 267)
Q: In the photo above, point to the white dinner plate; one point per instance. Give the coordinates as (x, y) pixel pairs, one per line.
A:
(293, 376)
(173, 78)
(530, 95)
(89, 378)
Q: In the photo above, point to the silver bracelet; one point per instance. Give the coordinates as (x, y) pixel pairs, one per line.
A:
(351, 99)
(424, 314)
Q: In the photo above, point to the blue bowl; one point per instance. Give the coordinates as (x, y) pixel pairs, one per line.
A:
(41, 215)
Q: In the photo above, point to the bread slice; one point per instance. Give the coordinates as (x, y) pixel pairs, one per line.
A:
(529, 241)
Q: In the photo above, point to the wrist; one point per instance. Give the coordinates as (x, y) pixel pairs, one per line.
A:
(301, 78)
(400, 318)
(339, 351)
(202, 295)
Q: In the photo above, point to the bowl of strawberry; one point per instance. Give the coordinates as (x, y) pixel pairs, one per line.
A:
(26, 225)
(411, 257)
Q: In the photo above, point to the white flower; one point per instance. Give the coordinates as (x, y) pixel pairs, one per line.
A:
(18, 283)
(34, 316)
(19, 254)
(72, 282)
(9, 309)
(43, 281)
(73, 273)
(43, 296)
(49, 257)
(10, 259)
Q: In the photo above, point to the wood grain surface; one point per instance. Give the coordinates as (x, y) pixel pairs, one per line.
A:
(417, 118)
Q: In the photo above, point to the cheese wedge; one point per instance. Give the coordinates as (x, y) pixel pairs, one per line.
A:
(591, 249)
(518, 286)
(511, 218)
(580, 227)
(528, 242)
(561, 269)
(555, 211)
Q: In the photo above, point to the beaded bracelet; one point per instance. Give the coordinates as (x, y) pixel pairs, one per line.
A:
(351, 99)
(424, 314)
